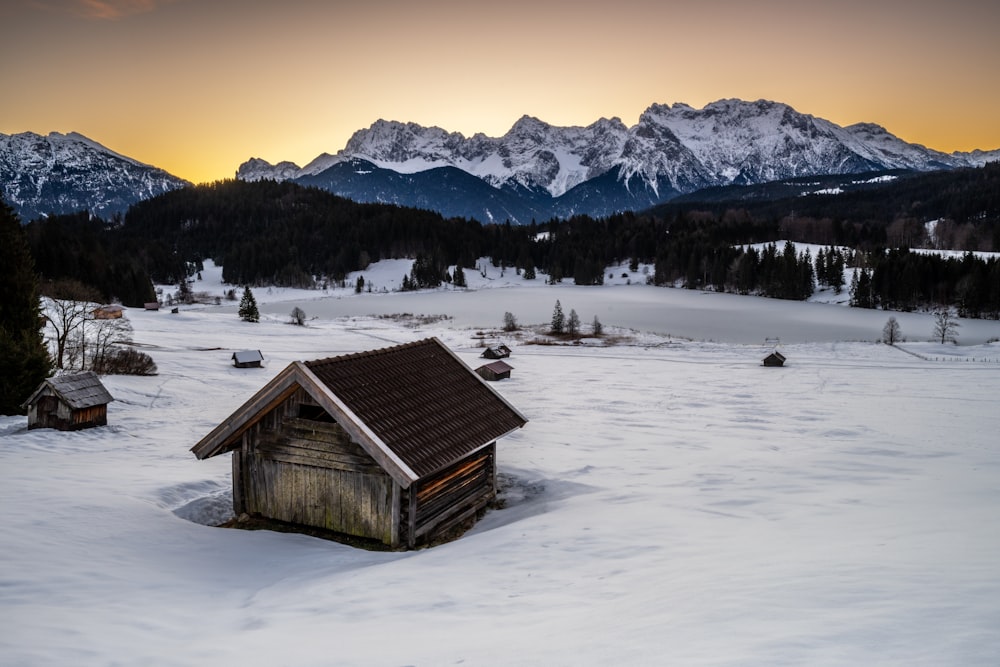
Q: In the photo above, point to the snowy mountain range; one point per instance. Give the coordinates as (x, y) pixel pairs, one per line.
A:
(63, 173)
(540, 170)
(534, 171)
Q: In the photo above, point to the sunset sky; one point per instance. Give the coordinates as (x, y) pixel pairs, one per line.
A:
(199, 86)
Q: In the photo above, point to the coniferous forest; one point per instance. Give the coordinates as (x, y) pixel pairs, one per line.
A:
(282, 234)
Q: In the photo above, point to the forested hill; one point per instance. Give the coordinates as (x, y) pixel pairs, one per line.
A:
(269, 233)
(284, 234)
(879, 208)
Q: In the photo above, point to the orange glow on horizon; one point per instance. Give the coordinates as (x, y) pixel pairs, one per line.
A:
(198, 88)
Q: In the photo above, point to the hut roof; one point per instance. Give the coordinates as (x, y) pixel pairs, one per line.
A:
(498, 366)
(77, 390)
(775, 356)
(415, 408)
(247, 356)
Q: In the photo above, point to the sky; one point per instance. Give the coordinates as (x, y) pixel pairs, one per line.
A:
(197, 87)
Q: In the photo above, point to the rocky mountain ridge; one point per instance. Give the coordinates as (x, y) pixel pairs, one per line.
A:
(63, 173)
(534, 171)
(606, 166)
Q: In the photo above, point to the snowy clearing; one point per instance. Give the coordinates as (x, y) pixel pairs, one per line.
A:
(671, 501)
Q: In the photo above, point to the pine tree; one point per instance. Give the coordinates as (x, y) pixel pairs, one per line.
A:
(184, 292)
(248, 307)
(459, 278)
(597, 327)
(558, 320)
(24, 359)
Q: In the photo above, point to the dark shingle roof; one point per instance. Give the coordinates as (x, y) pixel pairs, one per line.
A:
(498, 366)
(421, 400)
(78, 390)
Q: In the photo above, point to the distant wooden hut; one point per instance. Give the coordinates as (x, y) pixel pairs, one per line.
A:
(69, 402)
(495, 370)
(151, 305)
(247, 359)
(396, 445)
(774, 359)
(108, 312)
(496, 352)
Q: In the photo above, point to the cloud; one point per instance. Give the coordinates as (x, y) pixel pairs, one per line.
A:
(106, 10)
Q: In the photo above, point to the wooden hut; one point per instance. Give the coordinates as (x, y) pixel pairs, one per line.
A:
(69, 402)
(495, 370)
(151, 305)
(396, 445)
(774, 359)
(496, 352)
(247, 359)
(108, 312)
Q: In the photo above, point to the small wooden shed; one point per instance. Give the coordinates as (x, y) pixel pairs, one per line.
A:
(774, 359)
(247, 359)
(151, 305)
(396, 445)
(108, 312)
(496, 352)
(69, 402)
(495, 370)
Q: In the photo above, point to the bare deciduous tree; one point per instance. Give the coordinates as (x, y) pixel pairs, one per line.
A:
(945, 325)
(573, 323)
(67, 307)
(105, 338)
(891, 333)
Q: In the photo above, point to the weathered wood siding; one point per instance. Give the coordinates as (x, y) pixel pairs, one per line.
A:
(442, 500)
(309, 472)
(50, 412)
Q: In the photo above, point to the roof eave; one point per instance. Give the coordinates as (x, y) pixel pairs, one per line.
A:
(373, 445)
(221, 439)
(484, 383)
(225, 437)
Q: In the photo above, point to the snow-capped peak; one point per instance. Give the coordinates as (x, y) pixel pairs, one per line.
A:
(727, 141)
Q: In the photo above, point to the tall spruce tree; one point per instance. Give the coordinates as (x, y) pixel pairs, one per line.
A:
(24, 359)
(558, 319)
(248, 307)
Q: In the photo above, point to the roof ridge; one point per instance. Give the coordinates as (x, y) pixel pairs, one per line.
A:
(372, 353)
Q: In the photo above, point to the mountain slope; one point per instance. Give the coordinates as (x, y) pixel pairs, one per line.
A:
(63, 173)
(607, 167)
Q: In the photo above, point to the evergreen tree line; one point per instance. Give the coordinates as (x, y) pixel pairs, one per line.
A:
(283, 234)
(24, 358)
(93, 252)
(965, 202)
(898, 279)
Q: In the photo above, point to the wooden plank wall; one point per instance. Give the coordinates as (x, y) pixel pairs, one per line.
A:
(452, 495)
(310, 473)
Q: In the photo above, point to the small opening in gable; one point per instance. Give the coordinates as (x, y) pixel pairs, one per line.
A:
(314, 412)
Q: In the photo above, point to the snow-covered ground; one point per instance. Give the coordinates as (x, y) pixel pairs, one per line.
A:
(624, 300)
(671, 501)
